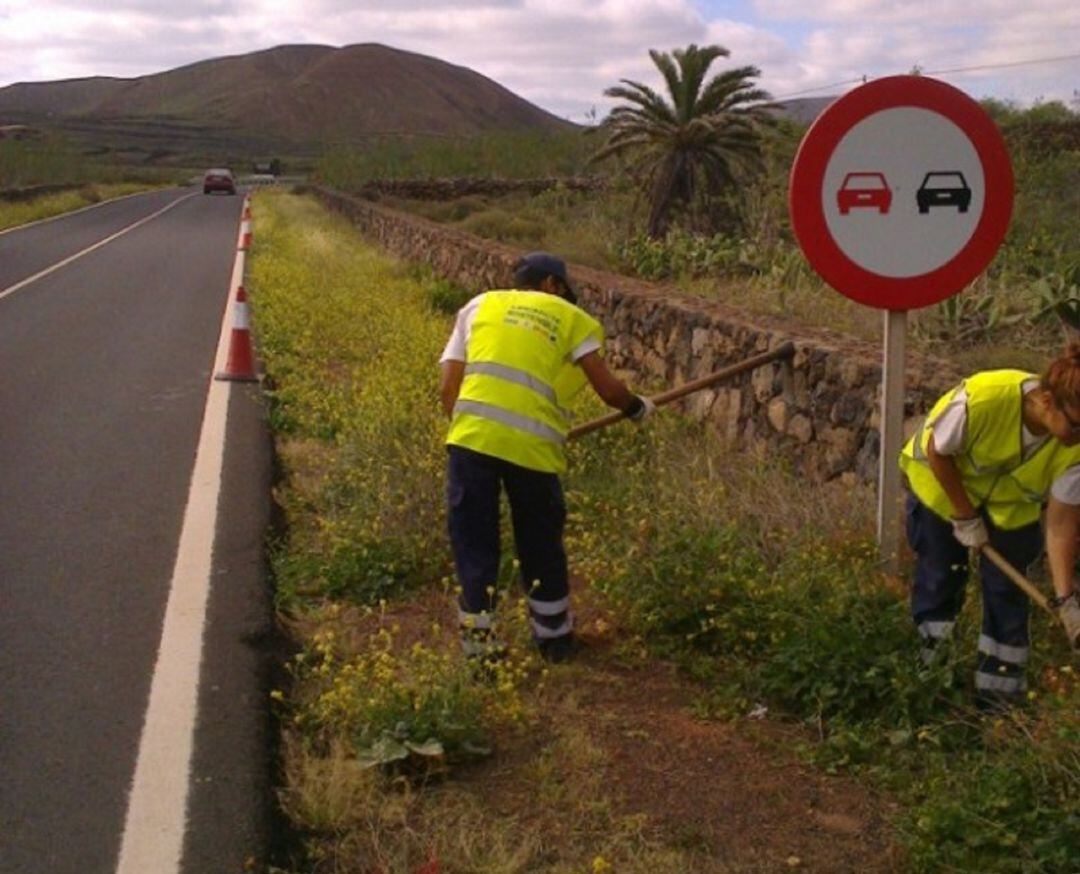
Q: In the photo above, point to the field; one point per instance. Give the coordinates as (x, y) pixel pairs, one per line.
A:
(749, 696)
(1017, 313)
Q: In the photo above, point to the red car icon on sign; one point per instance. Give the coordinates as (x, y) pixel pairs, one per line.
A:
(864, 190)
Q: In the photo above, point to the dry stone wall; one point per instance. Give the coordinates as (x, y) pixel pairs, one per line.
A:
(819, 410)
(451, 189)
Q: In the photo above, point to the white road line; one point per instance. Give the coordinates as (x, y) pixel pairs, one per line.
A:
(11, 289)
(157, 806)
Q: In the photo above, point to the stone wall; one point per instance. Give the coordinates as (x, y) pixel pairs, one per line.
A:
(20, 194)
(819, 409)
(451, 189)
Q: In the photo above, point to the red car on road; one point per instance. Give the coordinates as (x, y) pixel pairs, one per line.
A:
(219, 179)
(864, 189)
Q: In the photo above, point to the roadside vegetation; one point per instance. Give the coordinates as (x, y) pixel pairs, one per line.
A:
(712, 590)
(43, 176)
(21, 212)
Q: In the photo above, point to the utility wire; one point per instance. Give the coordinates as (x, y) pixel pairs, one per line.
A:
(1008, 64)
(863, 79)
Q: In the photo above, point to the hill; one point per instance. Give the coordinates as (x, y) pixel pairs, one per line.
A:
(805, 110)
(300, 98)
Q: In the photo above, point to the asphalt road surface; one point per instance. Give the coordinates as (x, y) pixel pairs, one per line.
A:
(105, 363)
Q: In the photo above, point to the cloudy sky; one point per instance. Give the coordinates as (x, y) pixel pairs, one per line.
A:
(561, 54)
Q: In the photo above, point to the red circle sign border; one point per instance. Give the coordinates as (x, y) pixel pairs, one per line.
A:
(808, 173)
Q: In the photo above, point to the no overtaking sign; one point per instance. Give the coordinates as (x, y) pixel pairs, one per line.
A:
(901, 192)
(900, 196)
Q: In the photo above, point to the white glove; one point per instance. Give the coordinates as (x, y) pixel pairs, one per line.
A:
(971, 532)
(641, 411)
(1069, 611)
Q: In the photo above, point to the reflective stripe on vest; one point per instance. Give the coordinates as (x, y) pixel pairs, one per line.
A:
(521, 377)
(514, 420)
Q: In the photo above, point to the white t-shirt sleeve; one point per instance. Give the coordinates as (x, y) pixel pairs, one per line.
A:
(1066, 488)
(458, 343)
(589, 344)
(950, 427)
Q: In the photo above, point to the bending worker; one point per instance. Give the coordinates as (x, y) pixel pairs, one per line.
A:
(992, 451)
(512, 364)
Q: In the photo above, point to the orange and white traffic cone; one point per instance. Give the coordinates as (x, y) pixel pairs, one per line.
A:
(245, 234)
(247, 210)
(240, 366)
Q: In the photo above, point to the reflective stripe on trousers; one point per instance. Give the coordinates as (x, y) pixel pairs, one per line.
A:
(1004, 684)
(550, 619)
(932, 634)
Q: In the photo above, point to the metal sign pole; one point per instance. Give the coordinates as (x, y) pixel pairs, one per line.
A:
(892, 436)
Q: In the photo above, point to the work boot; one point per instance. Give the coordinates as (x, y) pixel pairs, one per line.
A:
(558, 649)
(1069, 612)
(996, 703)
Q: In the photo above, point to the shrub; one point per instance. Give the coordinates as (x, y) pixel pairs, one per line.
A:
(497, 224)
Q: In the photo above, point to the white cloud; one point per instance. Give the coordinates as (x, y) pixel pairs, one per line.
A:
(845, 39)
(562, 54)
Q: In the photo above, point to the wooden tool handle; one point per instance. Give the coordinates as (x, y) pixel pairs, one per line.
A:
(784, 350)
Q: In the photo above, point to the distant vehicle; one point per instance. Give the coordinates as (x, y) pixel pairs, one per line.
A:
(864, 190)
(219, 179)
(943, 188)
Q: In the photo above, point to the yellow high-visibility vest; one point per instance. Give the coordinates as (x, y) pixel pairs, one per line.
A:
(519, 378)
(992, 468)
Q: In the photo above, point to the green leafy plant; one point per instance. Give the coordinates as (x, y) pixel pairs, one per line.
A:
(445, 296)
(1058, 295)
(418, 709)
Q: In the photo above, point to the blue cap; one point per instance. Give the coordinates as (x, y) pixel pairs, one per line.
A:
(540, 265)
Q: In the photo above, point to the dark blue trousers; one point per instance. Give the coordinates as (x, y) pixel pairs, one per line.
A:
(941, 573)
(538, 513)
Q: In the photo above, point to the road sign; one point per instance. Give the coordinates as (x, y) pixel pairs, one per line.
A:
(901, 192)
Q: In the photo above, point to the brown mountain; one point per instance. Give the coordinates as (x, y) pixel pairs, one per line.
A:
(306, 96)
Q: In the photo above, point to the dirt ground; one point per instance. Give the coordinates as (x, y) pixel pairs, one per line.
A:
(726, 791)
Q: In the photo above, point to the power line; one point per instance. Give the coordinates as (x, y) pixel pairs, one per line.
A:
(860, 80)
(1001, 66)
(1004, 65)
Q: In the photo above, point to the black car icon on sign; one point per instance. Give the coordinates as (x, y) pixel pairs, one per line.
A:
(943, 188)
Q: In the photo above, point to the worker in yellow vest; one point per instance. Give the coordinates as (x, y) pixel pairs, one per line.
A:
(990, 454)
(512, 364)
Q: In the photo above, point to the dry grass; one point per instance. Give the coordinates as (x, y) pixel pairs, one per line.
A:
(585, 785)
(23, 212)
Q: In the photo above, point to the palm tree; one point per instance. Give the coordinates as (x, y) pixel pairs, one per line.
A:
(699, 143)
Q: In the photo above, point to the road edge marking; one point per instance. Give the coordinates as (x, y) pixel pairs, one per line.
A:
(155, 824)
(11, 289)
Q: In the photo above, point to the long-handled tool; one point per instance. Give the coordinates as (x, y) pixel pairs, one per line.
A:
(783, 351)
(1024, 584)
(1018, 578)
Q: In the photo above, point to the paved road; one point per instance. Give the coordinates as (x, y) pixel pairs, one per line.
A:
(104, 365)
